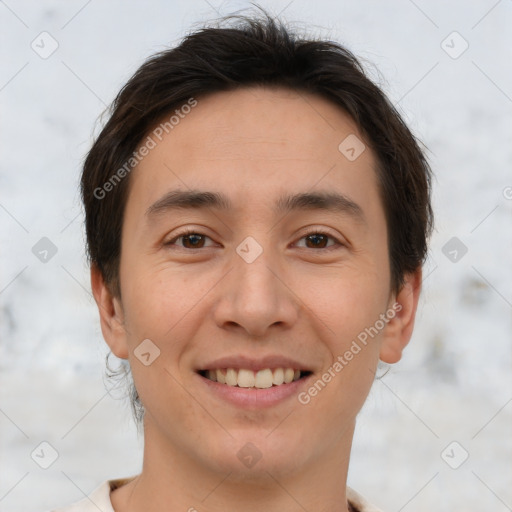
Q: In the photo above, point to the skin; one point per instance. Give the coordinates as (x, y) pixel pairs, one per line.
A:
(295, 300)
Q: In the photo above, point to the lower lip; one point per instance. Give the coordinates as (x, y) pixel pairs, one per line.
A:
(254, 398)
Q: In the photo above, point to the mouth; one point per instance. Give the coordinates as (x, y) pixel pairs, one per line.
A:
(249, 379)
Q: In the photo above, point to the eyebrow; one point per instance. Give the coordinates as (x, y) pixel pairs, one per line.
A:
(198, 199)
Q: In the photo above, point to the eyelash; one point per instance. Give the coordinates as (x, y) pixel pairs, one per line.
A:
(189, 232)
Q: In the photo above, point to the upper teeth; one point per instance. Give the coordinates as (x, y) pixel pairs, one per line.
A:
(250, 379)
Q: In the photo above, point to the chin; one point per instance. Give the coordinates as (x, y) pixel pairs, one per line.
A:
(256, 452)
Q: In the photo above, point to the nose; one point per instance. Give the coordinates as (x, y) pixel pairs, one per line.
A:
(256, 296)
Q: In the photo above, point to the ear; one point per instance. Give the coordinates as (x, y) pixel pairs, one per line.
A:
(111, 315)
(399, 329)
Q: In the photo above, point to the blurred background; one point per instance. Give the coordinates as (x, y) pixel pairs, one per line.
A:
(435, 432)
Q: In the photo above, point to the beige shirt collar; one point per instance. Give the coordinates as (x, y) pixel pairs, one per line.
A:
(99, 499)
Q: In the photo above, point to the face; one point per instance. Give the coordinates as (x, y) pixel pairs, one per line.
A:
(287, 270)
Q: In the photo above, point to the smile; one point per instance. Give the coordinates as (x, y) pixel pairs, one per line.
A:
(261, 379)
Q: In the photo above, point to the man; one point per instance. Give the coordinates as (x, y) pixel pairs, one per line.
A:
(257, 216)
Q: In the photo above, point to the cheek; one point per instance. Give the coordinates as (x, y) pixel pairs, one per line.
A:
(156, 309)
(165, 399)
(160, 306)
(348, 300)
(156, 300)
(349, 311)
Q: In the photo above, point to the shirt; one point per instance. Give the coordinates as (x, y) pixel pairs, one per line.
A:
(99, 499)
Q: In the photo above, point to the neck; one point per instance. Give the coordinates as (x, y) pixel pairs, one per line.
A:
(172, 479)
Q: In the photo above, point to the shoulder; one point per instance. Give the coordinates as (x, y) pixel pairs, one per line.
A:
(98, 499)
(360, 503)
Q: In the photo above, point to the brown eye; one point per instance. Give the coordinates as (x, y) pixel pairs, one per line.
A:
(319, 240)
(194, 240)
(189, 240)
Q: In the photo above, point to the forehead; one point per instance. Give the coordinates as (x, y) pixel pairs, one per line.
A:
(255, 143)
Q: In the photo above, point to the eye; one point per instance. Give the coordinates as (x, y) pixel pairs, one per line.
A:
(191, 240)
(194, 240)
(319, 238)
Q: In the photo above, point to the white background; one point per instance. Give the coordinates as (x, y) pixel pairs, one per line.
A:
(454, 382)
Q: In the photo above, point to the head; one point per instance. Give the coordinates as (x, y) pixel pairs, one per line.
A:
(255, 194)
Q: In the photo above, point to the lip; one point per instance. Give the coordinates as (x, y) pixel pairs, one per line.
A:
(243, 362)
(252, 398)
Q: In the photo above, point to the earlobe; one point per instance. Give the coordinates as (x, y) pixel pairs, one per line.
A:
(399, 329)
(111, 315)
